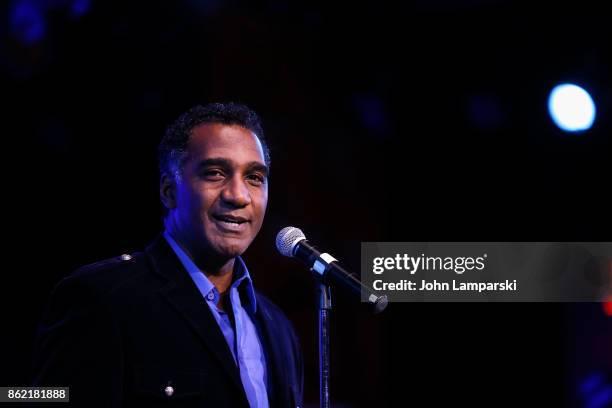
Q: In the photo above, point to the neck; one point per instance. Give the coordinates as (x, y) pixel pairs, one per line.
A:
(220, 276)
(219, 272)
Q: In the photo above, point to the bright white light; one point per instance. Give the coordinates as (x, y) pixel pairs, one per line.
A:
(571, 108)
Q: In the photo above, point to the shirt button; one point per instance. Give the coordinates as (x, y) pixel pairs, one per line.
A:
(210, 296)
(169, 391)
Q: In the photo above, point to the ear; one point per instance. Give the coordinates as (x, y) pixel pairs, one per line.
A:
(167, 191)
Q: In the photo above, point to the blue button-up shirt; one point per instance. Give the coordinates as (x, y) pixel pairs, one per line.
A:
(244, 341)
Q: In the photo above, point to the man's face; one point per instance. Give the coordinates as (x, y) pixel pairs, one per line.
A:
(220, 199)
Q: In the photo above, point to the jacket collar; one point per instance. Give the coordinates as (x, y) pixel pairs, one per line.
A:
(181, 292)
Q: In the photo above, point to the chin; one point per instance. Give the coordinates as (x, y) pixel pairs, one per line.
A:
(232, 250)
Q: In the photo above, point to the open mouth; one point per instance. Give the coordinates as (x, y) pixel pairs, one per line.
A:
(231, 222)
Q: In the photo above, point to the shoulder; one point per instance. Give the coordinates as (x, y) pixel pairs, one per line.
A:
(107, 276)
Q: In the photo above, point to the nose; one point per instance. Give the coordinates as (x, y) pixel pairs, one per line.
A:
(236, 193)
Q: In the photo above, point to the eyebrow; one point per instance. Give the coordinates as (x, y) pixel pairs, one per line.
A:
(227, 164)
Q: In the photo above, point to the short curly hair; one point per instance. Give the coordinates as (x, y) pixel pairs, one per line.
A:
(172, 150)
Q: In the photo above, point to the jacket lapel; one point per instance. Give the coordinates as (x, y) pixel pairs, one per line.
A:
(184, 296)
(277, 392)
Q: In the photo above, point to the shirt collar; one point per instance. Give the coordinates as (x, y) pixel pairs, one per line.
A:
(241, 279)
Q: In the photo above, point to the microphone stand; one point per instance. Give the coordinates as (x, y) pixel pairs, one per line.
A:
(325, 306)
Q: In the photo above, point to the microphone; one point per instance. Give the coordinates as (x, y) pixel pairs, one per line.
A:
(291, 242)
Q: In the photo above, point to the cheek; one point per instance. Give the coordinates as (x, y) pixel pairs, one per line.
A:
(196, 201)
(260, 218)
(261, 204)
(192, 210)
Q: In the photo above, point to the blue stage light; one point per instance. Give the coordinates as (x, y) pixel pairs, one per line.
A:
(571, 108)
(27, 21)
(79, 8)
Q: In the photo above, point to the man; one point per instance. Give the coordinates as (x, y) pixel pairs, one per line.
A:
(180, 324)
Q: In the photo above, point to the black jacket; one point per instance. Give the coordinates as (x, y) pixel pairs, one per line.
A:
(120, 331)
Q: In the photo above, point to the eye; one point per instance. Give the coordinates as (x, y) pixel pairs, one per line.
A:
(213, 174)
(256, 179)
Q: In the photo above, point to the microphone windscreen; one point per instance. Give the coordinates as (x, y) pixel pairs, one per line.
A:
(287, 239)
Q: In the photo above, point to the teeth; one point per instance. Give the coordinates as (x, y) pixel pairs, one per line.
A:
(230, 221)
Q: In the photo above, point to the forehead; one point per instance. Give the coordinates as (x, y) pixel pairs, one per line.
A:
(233, 142)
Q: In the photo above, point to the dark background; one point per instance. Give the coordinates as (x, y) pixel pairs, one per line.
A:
(420, 122)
